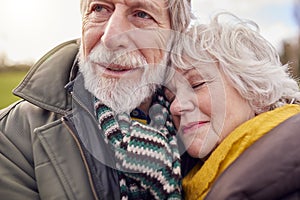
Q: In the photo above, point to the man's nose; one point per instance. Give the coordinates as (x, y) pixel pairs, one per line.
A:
(116, 32)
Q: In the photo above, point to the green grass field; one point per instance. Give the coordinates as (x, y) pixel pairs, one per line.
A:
(8, 81)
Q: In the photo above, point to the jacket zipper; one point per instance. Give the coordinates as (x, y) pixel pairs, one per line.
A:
(65, 122)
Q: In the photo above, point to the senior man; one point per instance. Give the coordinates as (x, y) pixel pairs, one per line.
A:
(89, 108)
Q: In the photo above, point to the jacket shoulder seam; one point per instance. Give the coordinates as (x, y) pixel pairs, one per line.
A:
(5, 111)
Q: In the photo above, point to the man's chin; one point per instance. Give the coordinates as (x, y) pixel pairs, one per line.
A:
(125, 94)
(125, 100)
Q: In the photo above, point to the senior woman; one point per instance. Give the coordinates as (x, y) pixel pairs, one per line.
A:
(236, 109)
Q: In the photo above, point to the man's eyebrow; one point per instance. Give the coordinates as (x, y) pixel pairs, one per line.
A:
(147, 4)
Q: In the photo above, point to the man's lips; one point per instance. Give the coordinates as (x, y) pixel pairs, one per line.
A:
(114, 70)
(191, 127)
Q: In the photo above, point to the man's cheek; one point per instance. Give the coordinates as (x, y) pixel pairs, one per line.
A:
(90, 38)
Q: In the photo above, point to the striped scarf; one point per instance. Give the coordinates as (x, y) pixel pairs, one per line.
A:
(147, 156)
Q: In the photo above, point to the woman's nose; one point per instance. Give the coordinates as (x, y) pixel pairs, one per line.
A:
(175, 107)
(180, 105)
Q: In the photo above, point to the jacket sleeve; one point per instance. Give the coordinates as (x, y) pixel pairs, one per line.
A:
(16, 161)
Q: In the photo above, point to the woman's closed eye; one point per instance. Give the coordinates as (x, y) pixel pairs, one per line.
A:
(198, 85)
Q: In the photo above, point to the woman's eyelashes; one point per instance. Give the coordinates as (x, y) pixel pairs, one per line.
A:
(198, 85)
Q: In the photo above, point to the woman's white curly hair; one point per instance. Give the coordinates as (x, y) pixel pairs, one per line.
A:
(249, 60)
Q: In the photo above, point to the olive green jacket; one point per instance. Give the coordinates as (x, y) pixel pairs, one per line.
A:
(41, 154)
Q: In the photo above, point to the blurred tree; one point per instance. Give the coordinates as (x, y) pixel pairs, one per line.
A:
(290, 55)
(3, 59)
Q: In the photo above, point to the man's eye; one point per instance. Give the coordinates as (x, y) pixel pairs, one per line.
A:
(99, 8)
(143, 15)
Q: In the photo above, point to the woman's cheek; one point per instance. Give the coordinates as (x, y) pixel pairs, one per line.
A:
(204, 102)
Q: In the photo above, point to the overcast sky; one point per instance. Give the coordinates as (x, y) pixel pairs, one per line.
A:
(30, 28)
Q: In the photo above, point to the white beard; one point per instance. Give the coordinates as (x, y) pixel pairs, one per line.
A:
(120, 94)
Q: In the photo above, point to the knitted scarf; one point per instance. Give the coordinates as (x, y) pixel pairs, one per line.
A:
(147, 156)
(198, 182)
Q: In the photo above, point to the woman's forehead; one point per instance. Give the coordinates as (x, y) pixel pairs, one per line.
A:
(200, 70)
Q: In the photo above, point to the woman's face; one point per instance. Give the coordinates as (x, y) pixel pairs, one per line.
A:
(205, 108)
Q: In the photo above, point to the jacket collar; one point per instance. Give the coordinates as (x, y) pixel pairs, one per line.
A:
(44, 84)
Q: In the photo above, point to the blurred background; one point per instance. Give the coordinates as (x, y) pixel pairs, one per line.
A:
(31, 28)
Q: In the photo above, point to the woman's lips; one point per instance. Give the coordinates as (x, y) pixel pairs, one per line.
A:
(191, 127)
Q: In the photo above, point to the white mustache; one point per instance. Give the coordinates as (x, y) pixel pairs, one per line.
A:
(100, 54)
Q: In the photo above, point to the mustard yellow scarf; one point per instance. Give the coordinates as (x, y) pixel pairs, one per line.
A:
(200, 179)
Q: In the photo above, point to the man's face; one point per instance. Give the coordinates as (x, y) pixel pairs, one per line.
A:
(123, 43)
